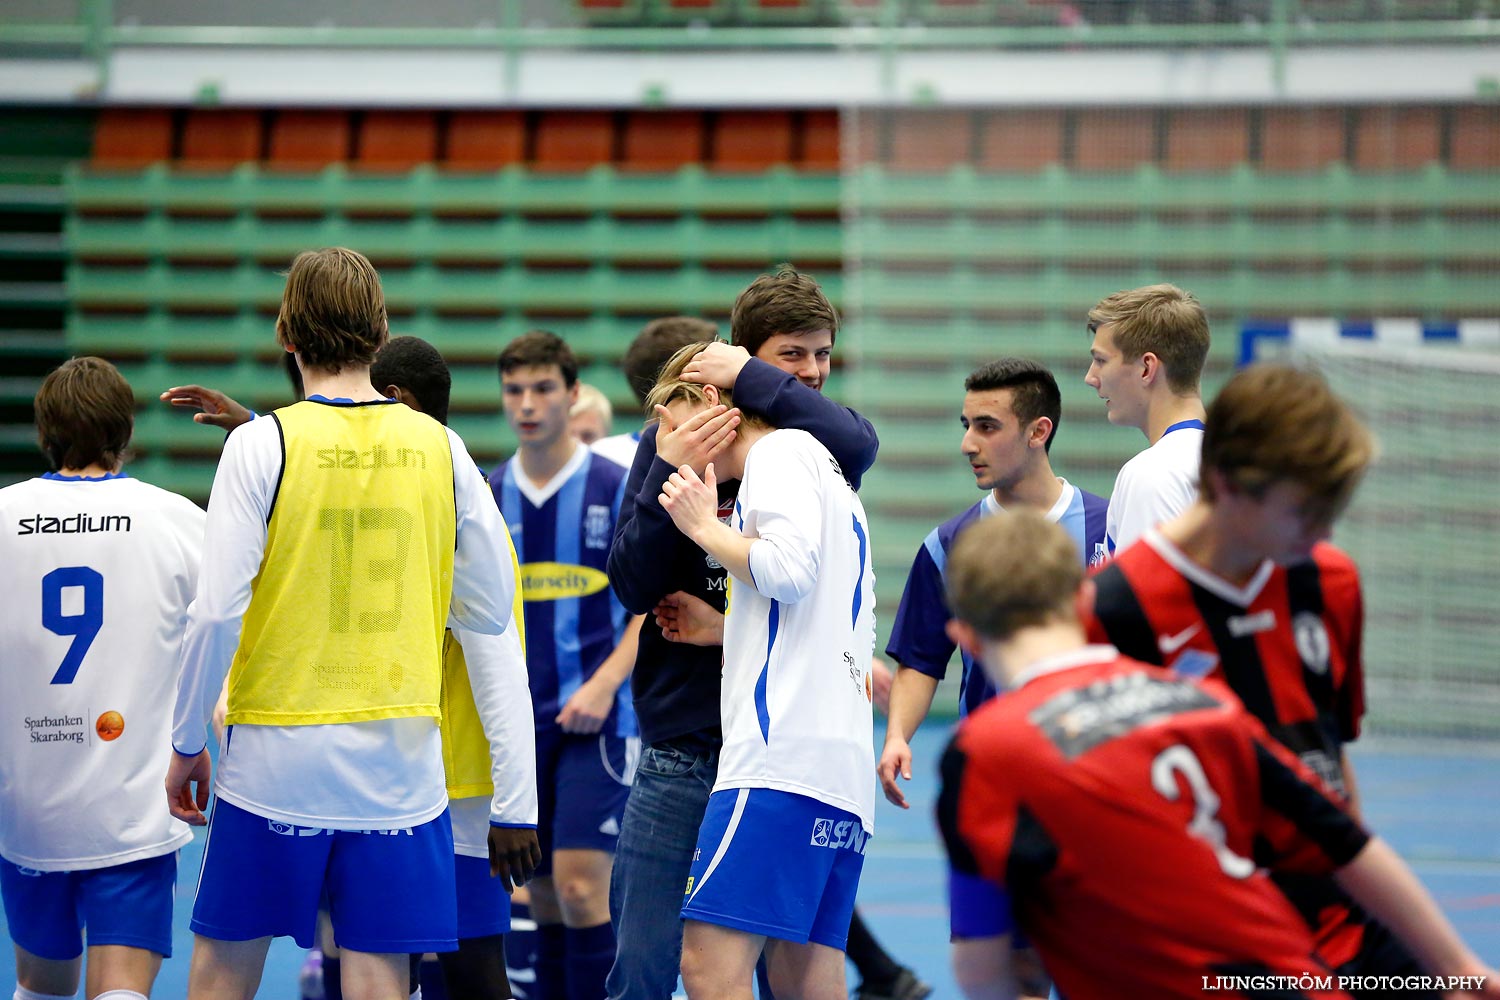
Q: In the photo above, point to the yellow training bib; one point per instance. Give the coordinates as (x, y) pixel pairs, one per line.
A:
(347, 613)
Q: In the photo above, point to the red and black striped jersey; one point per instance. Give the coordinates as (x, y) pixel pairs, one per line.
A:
(1288, 643)
(1130, 813)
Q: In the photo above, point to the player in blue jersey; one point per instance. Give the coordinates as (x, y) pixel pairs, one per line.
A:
(561, 501)
(1011, 410)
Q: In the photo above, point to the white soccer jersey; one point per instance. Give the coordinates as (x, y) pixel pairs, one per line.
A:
(345, 776)
(98, 577)
(1155, 486)
(497, 676)
(618, 448)
(799, 636)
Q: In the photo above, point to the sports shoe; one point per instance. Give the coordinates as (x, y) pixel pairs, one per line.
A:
(906, 987)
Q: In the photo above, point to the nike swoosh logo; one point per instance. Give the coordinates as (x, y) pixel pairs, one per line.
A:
(1170, 644)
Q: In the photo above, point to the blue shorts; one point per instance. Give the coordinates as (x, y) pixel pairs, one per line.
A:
(483, 903)
(778, 864)
(582, 782)
(388, 891)
(977, 908)
(129, 904)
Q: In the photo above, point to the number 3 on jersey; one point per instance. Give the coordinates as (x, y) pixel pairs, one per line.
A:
(1178, 759)
(83, 626)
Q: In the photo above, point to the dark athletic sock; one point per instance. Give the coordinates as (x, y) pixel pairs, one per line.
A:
(430, 975)
(551, 962)
(333, 986)
(591, 951)
(520, 952)
(476, 970)
(876, 968)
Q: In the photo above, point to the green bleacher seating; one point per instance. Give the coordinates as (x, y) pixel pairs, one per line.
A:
(1147, 188)
(609, 12)
(180, 272)
(755, 242)
(772, 12)
(423, 189)
(688, 11)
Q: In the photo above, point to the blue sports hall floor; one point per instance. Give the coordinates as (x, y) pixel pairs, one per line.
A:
(1439, 804)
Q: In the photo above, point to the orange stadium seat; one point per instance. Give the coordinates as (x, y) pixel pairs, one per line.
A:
(1396, 138)
(573, 140)
(1475, 142)
(819, 145)
(751, 140)
(930, 140)
(485, 140)
(132, 137)
(309, 140)
(1020, 140)
(220, 139)
(1301, 138)
(396, 140)
(662, 140)
(1114, 139)
(1207, 138)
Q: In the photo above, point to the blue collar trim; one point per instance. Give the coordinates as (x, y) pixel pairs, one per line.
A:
(59, 477)
(346, 401)
(1184, 425)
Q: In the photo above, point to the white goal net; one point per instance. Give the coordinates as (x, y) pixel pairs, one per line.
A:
(1425, 531)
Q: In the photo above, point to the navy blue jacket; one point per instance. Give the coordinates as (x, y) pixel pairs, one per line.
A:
(676, 686)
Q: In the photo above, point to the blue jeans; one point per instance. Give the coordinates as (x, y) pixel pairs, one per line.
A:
(653, 858)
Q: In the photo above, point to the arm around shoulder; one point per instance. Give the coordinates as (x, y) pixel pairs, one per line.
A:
(786, 403)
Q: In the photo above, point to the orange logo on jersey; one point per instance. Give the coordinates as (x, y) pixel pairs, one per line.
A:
(869, 695)
(109, 726)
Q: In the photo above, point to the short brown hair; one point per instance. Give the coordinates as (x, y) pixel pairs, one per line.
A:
(85, 413)
(785, 302)
(1012, 571)
(1163, 320)
(1276, 423)
(655, 344)
(538, 349)
(333, 309)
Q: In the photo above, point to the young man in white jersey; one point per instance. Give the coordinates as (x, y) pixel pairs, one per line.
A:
(1146, 362)
(100, 569)
(794, 778)
(342, 531)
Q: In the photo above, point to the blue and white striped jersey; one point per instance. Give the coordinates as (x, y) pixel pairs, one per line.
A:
(562, 532)
(918, 639)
